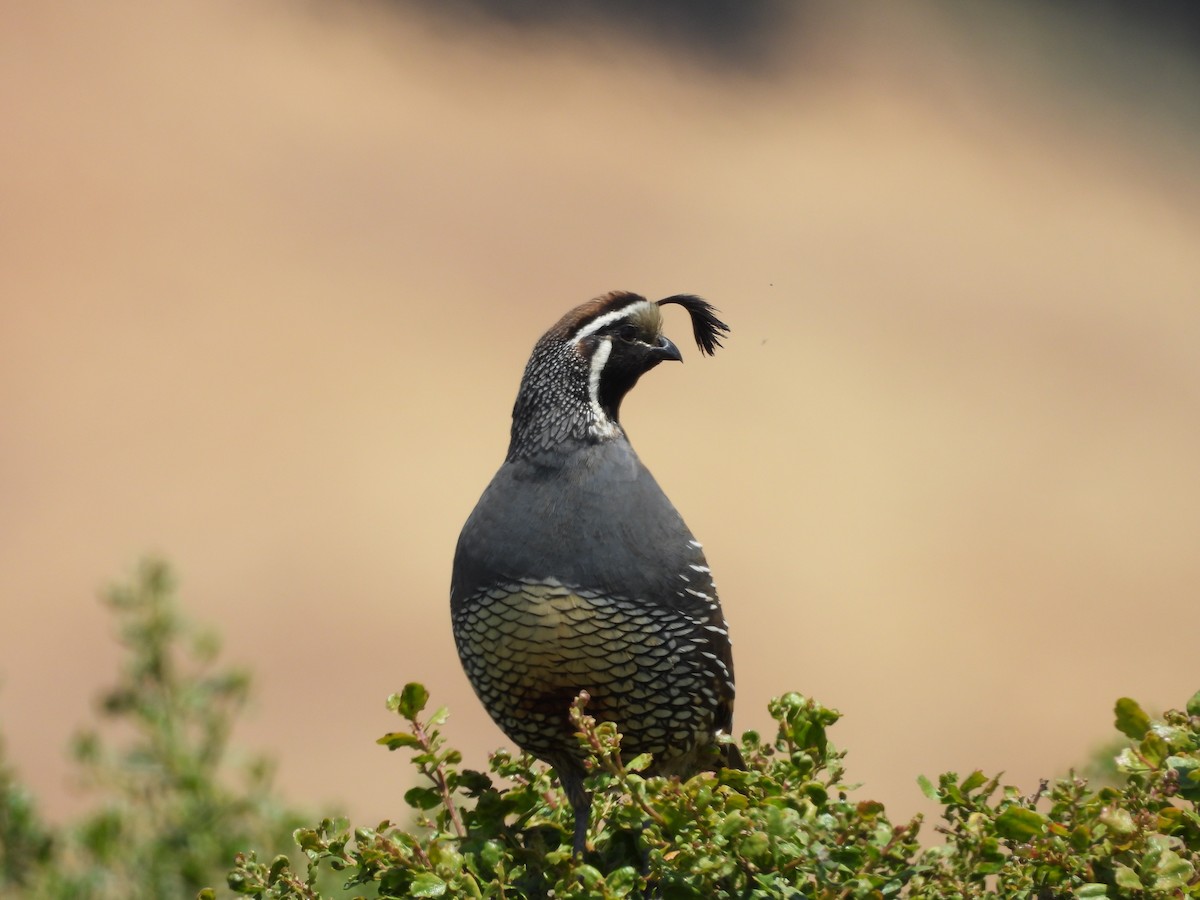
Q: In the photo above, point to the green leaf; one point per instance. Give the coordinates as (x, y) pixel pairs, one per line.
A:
(639, 763)
(427, 885)
(1126, 878)
(1017, 823)
(1171, 872)
(1130, 763)
(1091, 890)
(869, 809)
(816, 792)
(279, 865)
(974, 780)
(1118, 821)
(238, 883)
(308, 840)
(1193, 705)
(492, 854)
(394, 740)
(589, 876)
(754, 845)
(1132, 720)
(422, 797)
(1187, 768)
(411, 700)
(927, 787)
(1154, 749)
(622, 881)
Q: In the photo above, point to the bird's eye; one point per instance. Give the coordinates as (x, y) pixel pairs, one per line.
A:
(628, 333)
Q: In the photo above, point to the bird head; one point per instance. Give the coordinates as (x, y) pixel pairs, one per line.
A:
(583, 367)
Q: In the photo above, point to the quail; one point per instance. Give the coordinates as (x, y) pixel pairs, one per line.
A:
(575, 572)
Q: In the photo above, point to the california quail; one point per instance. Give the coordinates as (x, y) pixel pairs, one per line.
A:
(575, 572)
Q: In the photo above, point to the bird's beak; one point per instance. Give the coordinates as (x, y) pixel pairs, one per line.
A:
(666, 350)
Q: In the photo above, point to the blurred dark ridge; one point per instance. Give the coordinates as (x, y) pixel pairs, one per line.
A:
(740, 34)
(750, 34)
(1142, 59)
(1107, 37)
(1174, 23)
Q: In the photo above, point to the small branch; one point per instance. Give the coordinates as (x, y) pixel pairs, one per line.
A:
(608, 754)
(438, 776)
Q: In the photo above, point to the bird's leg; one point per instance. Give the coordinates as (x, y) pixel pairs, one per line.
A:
(583, 815)
(570, 776)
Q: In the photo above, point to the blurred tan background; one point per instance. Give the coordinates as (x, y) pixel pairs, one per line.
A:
(269, 273)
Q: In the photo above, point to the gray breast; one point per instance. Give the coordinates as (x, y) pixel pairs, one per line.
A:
(594, 517)
(574, 573)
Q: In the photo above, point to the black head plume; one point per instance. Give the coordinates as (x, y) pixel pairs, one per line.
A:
(706, 327)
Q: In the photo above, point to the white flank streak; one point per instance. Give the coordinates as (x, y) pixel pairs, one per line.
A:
(599, 358)
(596, 324)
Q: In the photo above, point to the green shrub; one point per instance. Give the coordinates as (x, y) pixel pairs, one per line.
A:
(167, 821)
(26, 844)
(789, 826)
(785, 827)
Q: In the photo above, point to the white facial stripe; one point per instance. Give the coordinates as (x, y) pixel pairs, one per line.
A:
(599, 358)
(596, 324)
